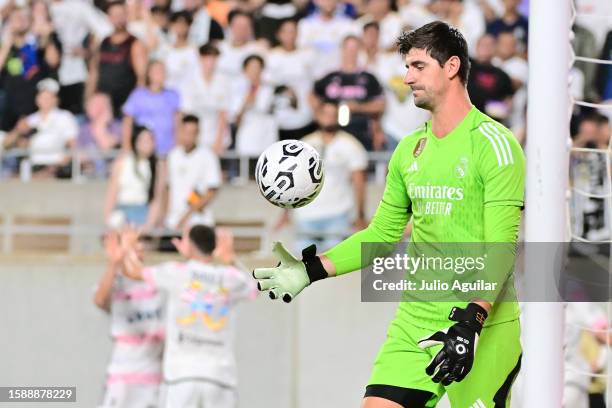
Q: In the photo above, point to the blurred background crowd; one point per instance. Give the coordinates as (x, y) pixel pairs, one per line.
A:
(128, 90)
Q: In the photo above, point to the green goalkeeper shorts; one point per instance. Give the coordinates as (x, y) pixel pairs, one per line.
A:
(401, 363)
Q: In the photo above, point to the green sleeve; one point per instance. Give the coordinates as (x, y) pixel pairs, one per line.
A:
(501, 164)
(501, 225)
(387, 225)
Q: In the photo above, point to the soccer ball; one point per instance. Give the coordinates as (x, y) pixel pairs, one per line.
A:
(289, 174)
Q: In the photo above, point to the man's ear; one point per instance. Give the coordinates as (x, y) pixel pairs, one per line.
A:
(452, 66)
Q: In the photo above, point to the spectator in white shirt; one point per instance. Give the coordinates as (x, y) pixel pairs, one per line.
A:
(401, 115)
(207, 97)
(204, 28)
(50, 133)
(290, 70)
(74, 20)
(389, 22)
(251, 109)
(239, 43)
(194, 176)
(324, 31)
(151, 27)
(181, 58)
(327, 220)
(134, 189)
(509, 60)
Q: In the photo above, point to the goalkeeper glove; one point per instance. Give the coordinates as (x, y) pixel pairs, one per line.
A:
(291, 275)
(458, 341)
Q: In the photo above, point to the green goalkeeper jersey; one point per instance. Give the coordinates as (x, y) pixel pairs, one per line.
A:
(449, 185)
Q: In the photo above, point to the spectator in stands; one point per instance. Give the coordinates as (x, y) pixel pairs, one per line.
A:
(324, 32)
(238, 45)
(290, 70)
(591, 175)
(465, 15)
(251, 110)
(207, 98)
(204, 28)
(603, 79)
(134, 189)
(181, 58)
(49, 133)
(389, 22)
(26, 57)
(120, 62)
(490, 88)
(508, 59)
(271, 16)
(511, 21)
(357, 91)
(74, 21)
(194, 177)
(327, 220)
(583, 42)
(401, 115)
(135, 309)
(155, 107)
(100, 134)
(151, 26)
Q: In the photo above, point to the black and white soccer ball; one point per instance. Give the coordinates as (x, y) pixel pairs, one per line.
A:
(289, 174)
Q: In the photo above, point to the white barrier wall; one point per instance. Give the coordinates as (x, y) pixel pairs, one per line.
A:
(314, 353)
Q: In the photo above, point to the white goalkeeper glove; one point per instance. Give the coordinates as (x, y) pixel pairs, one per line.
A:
(291, 275)
(454, 361)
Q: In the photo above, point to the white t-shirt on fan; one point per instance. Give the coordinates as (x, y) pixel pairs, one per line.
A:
(53, 131)
(198, 170)
(206, 100)
(343, 155)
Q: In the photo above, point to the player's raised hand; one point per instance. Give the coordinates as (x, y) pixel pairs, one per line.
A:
(291, 275)
(454, 361)
(112, 248)
(224, 250)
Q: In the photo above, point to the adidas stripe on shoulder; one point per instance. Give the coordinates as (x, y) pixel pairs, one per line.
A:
(498, 141)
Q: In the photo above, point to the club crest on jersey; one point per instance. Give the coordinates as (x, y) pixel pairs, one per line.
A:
(461, 167)
(420, 146)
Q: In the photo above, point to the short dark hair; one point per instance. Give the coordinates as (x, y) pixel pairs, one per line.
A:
(251, 58)
(203, 238)
(209, 49)
(371, 24)
(112, 3)
(189, 118)
(160, 10)
(181, 15)
(237, 13)
(441, 42)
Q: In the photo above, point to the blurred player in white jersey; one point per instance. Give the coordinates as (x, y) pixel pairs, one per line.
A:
(137, 330)
(199, 365)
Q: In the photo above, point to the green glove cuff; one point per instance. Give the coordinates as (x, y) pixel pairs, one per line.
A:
(473, 316)
(314, 267)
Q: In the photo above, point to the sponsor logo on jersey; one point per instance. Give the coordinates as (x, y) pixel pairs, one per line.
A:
(420, 146)
(412, 168)
(431, 199)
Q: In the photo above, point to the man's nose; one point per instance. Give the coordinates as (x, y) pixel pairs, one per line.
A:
(409, 78)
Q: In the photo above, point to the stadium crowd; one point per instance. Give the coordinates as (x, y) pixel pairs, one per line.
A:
(87, 79)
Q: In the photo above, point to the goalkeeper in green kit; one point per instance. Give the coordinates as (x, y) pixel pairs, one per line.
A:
(460, 177)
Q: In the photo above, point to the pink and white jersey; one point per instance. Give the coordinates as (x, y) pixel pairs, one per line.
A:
(200, 318)
(137, 329)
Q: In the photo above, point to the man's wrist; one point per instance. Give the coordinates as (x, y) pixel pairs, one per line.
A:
(473, 316)
(314, 267)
